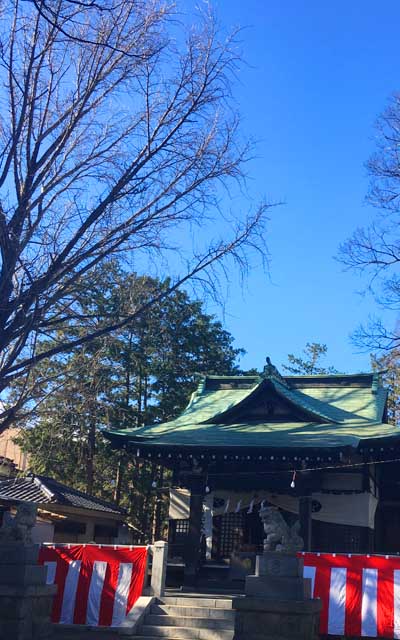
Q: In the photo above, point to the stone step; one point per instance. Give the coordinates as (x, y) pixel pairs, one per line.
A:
(221, 588)
(195, 612)
(185, 621)
(185, 633)
(190, 601)
(85, 634)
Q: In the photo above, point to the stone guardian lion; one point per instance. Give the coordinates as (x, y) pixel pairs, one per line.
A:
(19, 528)
(279, 536)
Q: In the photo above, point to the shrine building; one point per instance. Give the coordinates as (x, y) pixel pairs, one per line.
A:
(317, 447)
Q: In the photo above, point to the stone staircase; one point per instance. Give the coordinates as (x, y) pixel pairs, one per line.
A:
(191, 617)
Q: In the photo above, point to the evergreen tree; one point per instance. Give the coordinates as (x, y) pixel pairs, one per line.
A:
(142, 374)
(389, 366)
(310, 361)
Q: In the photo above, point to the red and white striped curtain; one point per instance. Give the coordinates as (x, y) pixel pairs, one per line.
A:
(97, 585)
(360, 593)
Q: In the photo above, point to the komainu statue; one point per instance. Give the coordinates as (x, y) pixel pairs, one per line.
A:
(19, 528)
(279, 536)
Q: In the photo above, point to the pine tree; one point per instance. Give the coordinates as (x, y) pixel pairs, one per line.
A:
(309, 363)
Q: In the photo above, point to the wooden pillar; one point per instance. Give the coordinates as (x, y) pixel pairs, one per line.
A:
(196, 485)
(305, 520)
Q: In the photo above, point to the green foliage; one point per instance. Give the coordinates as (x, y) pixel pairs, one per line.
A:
(142, 374)
(389, 366)
(310, 361)
(250, 372)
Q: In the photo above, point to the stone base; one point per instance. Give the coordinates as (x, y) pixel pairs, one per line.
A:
(25, 612)
(264, 619)
(23, 574)
(272, 563)
(16, 553)
(279, 576)
(25, 600)
(24, 629)
(276, 587)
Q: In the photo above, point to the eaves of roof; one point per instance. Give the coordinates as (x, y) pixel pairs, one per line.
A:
(346, 412)
(262, 435)
(43, 490)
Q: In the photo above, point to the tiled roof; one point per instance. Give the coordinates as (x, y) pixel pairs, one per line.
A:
(43, 490)
(332, 411)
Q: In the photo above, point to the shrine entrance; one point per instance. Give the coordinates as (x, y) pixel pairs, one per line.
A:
(309, 445)
(235, 532)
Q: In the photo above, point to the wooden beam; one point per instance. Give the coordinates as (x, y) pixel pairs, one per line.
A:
(305, 520)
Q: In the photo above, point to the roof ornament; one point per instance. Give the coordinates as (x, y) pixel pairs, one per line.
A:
(270, 371)
(200, 378)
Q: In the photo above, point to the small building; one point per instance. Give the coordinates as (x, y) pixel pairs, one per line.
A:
(317, 447)
(66, 514)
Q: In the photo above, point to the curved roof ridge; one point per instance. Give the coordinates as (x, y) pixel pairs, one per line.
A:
(334, 414)
(333, 375)
(201, 393)
(296, 397)
(282, 389)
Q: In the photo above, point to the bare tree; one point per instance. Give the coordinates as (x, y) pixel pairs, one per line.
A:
(116, 126)
(375, 250)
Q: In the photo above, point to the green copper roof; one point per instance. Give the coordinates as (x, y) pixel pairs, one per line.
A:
(274, 412)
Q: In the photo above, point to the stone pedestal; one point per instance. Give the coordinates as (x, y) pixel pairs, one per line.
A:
(159, 568)
(263, 619)
(277, 605)
(25, 599)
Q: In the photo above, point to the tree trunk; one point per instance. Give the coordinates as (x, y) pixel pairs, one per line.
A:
(118, 481)
(145, 397)
(90, 457)
(148, 498)
(128, 382)
(139, 398)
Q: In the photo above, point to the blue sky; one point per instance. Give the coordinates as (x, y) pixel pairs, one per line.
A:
(317, 76)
